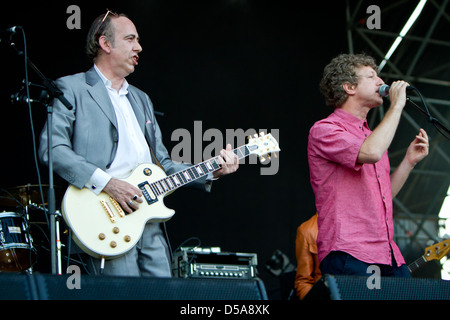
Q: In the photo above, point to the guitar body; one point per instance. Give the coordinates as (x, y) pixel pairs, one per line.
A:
(102, 229)
(110, 234)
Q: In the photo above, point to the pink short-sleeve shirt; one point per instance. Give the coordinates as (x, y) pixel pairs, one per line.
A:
(354, 200)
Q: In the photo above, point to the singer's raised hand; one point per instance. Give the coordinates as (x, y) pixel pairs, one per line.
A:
(418, 148)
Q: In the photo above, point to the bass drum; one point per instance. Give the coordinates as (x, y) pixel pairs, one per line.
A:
(16, 248)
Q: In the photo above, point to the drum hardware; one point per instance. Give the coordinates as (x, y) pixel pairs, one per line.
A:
(16, 244)
(27, 194)
(57, 234)
(21, 205)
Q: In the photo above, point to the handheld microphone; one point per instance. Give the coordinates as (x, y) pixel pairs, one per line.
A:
(12, 30)
(384, 90)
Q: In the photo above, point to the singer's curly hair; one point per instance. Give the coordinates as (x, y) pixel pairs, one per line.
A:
(342, 69)
(98, 29)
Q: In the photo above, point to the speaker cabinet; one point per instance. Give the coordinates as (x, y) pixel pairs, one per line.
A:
(57, 287)
(334, 287)
(16, 287)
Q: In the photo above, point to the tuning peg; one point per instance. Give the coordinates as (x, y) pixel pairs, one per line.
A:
(255, 135)
(261, 133)
(275, 155)
(262, 159)
(268, 157)
(249, 138)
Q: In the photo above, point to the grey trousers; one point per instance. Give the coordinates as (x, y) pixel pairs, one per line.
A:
(149, 258)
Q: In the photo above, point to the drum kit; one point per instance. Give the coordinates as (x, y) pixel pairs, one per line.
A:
(23, 229)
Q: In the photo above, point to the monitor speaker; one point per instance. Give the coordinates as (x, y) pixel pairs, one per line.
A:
(16, 287)
(61, 287)
(334, 287)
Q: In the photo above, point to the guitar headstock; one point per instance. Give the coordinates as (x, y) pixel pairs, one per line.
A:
(263, 144)
(437, 251)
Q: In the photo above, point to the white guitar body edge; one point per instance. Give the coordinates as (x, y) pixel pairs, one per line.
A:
(87, 218)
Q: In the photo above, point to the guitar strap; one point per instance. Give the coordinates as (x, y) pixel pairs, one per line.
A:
(163, 224)
(156, 160)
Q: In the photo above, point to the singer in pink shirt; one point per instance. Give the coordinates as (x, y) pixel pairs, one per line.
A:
(350, 171)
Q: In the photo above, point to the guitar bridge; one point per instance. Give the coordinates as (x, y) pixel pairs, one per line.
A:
(148, 192)
(108, 210)
(117, 206)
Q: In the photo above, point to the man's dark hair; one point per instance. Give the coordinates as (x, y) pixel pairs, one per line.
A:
(342, 69)
(101, 26)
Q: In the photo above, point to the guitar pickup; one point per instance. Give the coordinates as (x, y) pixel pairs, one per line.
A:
(148, 192)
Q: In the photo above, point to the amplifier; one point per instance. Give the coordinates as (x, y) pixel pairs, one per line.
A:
(195, 262)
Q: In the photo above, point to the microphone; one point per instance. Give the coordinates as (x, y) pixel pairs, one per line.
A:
(20, 97)
(9, 32)
(384, 90)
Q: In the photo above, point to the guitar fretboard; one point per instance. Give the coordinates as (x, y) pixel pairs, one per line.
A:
(190, 174)
(417, 264)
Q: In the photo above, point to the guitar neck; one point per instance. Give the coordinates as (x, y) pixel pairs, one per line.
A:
(183, 177)
(413, 266)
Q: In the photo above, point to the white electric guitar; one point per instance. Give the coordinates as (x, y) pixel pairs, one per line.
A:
(104, 230)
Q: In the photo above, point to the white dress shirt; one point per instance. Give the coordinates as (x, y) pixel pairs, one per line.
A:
(132, 148)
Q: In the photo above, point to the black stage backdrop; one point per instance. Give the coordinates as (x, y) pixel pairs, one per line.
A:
(224, 64)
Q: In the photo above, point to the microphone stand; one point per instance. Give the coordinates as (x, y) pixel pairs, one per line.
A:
(384, 91)
(54, 217)
(431, 119)
(435, 122)
(54, 92)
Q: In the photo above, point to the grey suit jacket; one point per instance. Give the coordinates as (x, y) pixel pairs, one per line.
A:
(86, 137)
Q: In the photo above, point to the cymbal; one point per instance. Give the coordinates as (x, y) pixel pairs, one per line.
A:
(26, 194)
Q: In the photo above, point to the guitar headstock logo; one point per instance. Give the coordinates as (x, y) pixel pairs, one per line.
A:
(147, 171)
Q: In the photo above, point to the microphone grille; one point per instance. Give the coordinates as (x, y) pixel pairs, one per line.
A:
(384, 90)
